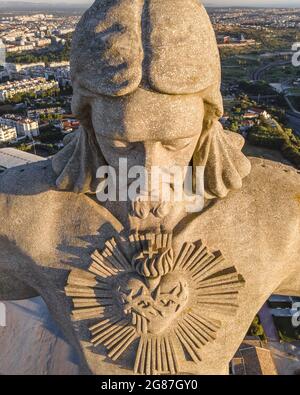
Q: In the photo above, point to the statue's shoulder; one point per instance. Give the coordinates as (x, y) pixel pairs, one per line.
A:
(265, 211)
(273, 182)
(275, 171)
(269, 197)
(29, 197)
(30, 179)
(33, 187)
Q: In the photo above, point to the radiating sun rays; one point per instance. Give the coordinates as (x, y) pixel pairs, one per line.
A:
(139, 294)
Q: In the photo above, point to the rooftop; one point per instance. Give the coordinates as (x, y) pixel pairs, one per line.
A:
(17, 118)
(253, 358)
(11, 157)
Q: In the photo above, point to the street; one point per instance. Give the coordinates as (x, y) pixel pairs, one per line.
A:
(294, 122)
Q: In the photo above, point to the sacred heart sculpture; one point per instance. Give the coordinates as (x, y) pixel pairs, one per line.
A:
(139, 292)
(154, 309)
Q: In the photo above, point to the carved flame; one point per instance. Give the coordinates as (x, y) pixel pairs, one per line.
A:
(153, 263)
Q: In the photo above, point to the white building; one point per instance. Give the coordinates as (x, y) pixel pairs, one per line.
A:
(61, 74)
(16, 68)
(11, 157)
(43, 42)
(20, 48)
(7, 134)
(25, 127)
(32, 85)
(2, 53)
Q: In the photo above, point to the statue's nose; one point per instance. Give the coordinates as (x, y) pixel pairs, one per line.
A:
(153, 155)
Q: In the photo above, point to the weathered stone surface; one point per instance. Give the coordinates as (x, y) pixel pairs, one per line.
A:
(184, 59)
(107, 48)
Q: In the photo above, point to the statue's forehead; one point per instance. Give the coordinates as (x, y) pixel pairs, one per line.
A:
(145, 115)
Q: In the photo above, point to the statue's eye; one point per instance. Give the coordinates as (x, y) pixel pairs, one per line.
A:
(120, 145)
(177, 145)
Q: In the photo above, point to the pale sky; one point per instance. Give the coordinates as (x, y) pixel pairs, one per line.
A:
(261, 3)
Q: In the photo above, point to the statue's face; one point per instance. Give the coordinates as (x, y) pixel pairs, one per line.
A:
(148, 129)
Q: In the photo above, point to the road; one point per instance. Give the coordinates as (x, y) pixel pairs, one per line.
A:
(293, 117)
(294, 122)
(257, 74)
(267, 322)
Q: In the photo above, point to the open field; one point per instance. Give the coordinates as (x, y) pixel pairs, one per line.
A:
(237, 68)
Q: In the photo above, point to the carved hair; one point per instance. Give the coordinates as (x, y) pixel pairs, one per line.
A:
(122, 45)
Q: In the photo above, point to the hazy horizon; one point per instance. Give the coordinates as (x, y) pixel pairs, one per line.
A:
(220, 3)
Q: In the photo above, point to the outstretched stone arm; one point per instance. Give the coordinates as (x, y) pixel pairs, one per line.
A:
(291, 285)
(12, 288)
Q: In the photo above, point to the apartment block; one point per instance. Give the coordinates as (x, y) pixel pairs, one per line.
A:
(24, 127)
(7, 134)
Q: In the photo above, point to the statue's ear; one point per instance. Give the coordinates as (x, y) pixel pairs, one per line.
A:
(77, 163)
(225, 166)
